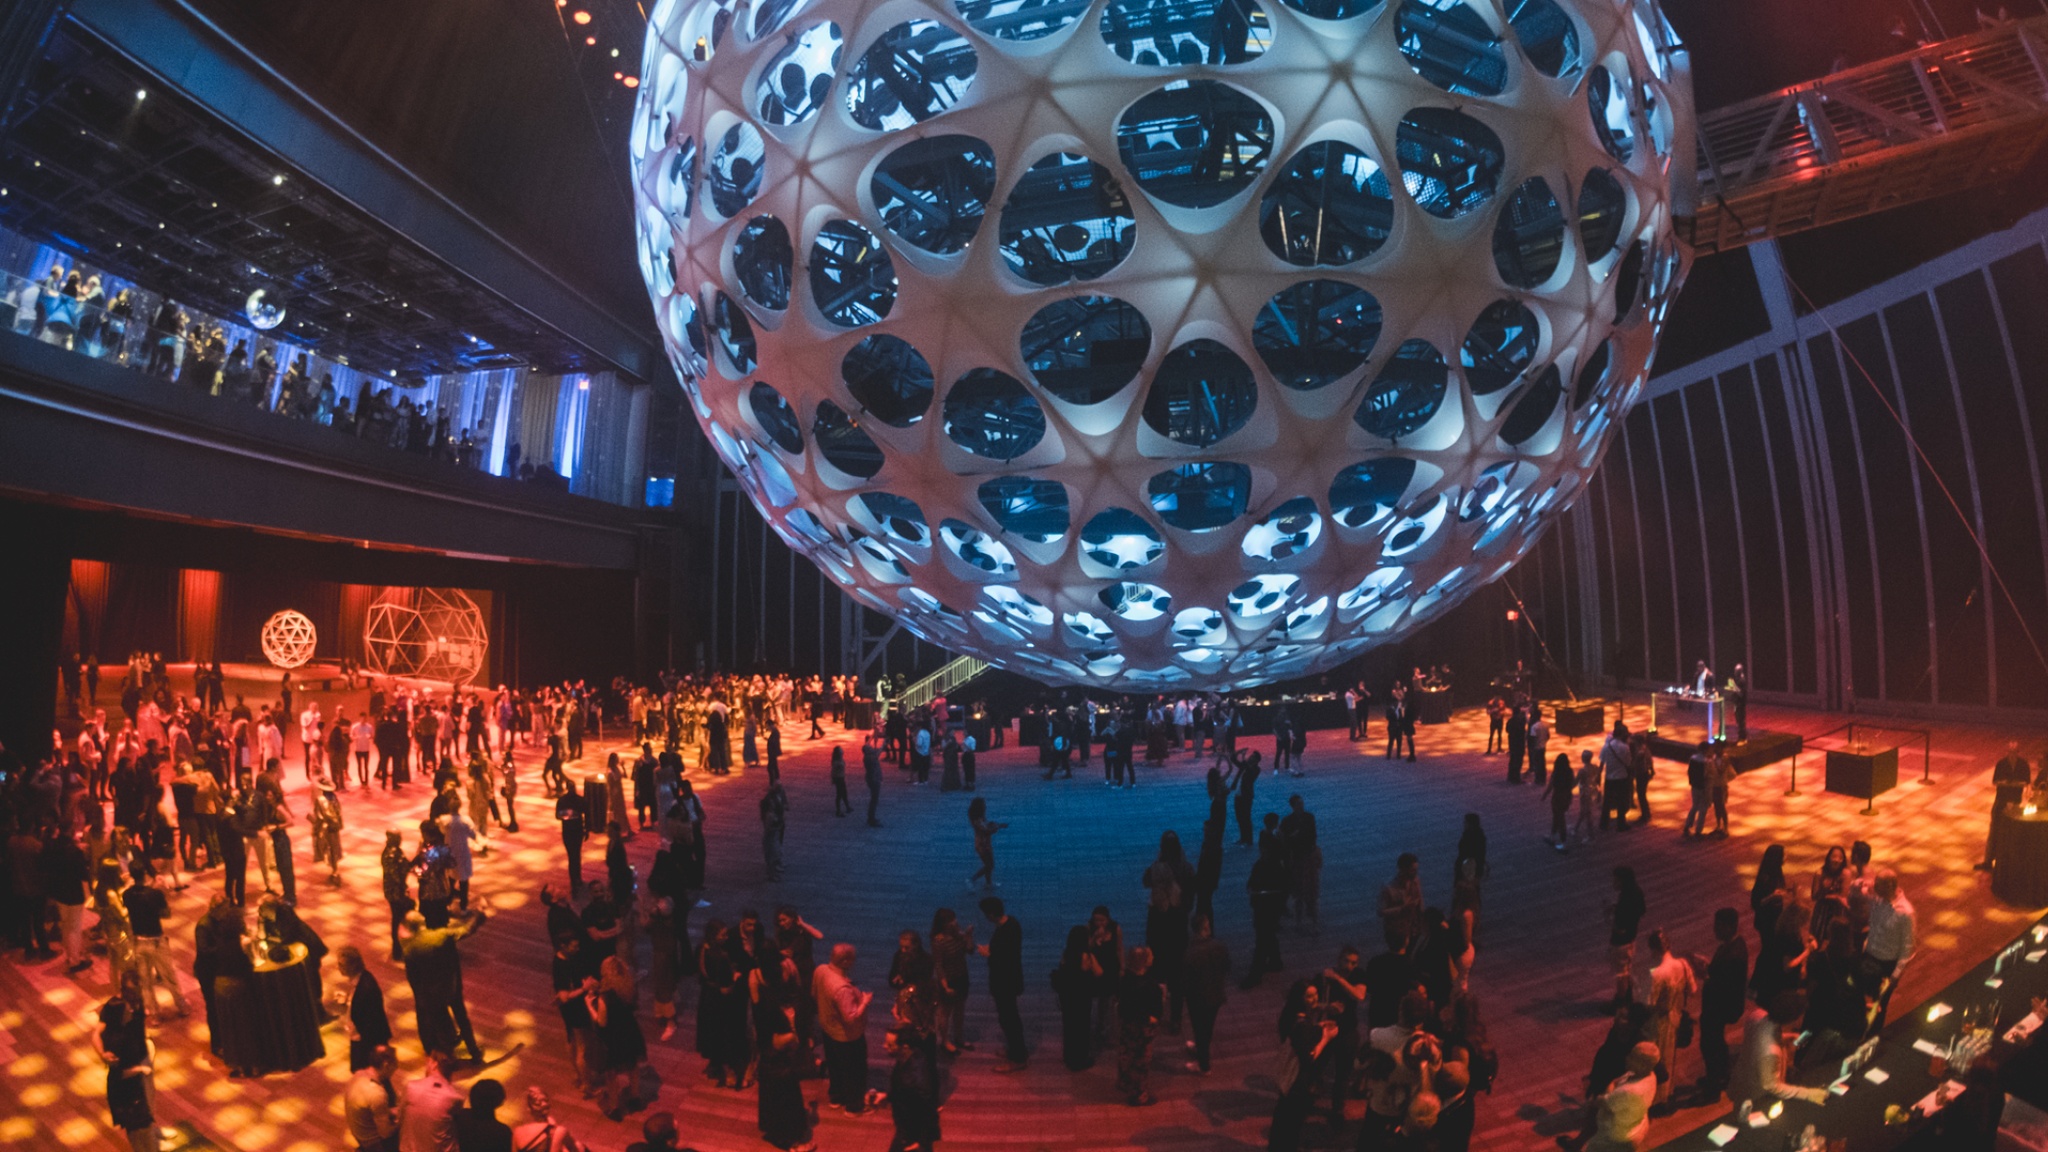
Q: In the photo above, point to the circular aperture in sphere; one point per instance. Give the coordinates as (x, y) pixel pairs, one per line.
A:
(1152, 344)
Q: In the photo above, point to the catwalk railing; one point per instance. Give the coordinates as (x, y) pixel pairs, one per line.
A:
(1939, 119)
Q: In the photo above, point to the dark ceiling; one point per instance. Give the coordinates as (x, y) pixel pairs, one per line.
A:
(162, 193)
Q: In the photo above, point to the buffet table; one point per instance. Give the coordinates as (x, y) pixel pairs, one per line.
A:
(1888, 1102)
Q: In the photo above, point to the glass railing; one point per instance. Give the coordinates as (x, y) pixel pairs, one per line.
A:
(447, 418)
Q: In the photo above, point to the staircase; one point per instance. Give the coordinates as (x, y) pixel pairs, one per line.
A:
(1939, 119)
(944, 682)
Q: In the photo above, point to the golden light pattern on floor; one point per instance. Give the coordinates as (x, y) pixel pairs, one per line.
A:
(1540, 970)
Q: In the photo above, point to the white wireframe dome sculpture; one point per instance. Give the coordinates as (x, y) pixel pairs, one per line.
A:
(427, 633)
(1150, 342)
(288, 639)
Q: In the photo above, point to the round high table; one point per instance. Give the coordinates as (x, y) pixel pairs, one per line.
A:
(2021, 875)
(275, 1017)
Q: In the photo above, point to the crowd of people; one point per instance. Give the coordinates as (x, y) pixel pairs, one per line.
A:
(178, 786)
(71, 309)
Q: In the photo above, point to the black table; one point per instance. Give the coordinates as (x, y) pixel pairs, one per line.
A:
(2021, 876)
(1432, 705)
(271, 1021)
(859, 715)
(1858, 1116)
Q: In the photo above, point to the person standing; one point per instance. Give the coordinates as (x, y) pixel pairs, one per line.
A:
(1266, 885)
(1669, 996)
(1073, 984)
(1615, 770)
(1559, 792)
(1539, 743)
(984, 843)
(871, 770)
(147, 907)
(1241, 805)
(643, 786)
(774, 751)
(1624, 919)
(362, 740)
(2009, 780)
(326, 826)
(427, 1118)
(312, 739)
(1400, 904)
(66, 875)
(1206, 974)
(1720, 774)
(1140, 1004)
(1737, 693)
(784, 1119)
(359, 1001)
(1721, 999)
(570, 811)
(369, 1103)
(1702, 791)
(1517, 741)
(1642, 769)
(841, 805)
(843, 1018)
(1308, 1032)
(1890, 944)
(1005, 954)
(433, 967)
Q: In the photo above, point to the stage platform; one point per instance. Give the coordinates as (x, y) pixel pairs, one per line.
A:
(1540, 972)
(1760, 750)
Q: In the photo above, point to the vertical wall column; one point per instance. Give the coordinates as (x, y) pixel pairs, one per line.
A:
(33, 583)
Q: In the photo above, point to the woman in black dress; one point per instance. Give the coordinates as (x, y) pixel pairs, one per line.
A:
(721, 1008)
(1075, 988)
(123, 1043)
(784, 1117)
(625, 1049)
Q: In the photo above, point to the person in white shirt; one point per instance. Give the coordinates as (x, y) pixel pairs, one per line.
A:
(1759, 1073)
(269, 742)
(362, 740)
(312, 738)
(1703, 679)
(1890, 943)
(1622, 1123)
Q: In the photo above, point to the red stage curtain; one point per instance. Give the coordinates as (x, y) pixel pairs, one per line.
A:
(85, 609)
(355, 606)
(198, 614)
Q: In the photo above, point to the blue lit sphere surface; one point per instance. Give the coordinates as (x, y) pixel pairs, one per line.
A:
(1150, 343)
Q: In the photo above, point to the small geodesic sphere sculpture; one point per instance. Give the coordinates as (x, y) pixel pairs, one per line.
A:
(1149, 342)
(428, 633)
(288, 639)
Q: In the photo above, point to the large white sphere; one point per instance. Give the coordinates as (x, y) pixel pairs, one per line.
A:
(1151, 342)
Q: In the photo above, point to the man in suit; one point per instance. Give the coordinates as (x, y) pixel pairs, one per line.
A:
(1005, 952)
(359, 1001)
(2010, 778)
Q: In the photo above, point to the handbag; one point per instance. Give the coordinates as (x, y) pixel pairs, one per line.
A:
(1685, 1030)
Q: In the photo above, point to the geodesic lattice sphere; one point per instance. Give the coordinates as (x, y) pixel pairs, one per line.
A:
(288, 639)
(1148, 342)
(429, 633)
